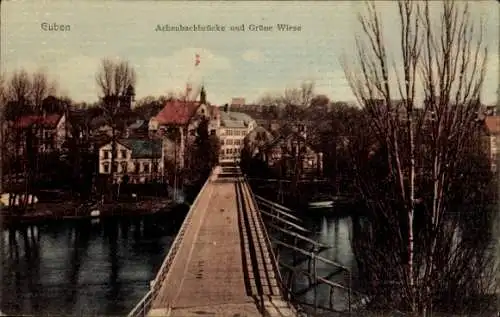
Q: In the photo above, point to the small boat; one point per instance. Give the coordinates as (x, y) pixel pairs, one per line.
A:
(321, 204)
(321, 201)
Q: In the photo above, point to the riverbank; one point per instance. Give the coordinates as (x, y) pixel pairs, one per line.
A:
(75, 210)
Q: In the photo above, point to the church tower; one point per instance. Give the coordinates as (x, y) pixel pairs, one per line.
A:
(203, 96)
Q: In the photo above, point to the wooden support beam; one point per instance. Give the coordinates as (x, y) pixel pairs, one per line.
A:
(279, 208)
(285, 221)
(304, 238)
(320, 258)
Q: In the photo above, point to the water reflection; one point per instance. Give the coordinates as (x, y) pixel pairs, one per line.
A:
(82, 268)
(335, 232)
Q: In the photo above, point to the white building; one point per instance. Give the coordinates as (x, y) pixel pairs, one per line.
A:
(141, 160)
(234, 127)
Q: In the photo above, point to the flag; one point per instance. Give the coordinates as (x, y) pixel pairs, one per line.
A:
(197, 60)
(188, 89)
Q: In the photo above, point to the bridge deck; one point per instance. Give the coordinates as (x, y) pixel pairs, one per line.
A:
(222, 267)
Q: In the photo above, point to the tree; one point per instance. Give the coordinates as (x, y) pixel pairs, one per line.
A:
(114, 80)
(150, 106)
(296, 100)
(441, 64)
(206, 151)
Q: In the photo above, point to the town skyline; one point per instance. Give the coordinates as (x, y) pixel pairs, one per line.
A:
(246, 64)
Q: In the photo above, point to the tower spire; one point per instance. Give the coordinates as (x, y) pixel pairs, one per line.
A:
(203, 95)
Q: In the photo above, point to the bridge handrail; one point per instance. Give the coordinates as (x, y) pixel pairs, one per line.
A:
(144, 304)
(142, 308)
(177, 241)
(268, 243)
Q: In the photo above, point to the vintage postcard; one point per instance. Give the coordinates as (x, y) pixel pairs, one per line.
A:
(246, 158)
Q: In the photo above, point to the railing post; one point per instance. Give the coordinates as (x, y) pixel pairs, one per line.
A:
(349, 291)
(313, 255)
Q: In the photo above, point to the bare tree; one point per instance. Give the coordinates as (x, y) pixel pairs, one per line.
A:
(3, 102)
(114, 80)
(443, 63)
(19, 87)
(296, 100)
(41, 88)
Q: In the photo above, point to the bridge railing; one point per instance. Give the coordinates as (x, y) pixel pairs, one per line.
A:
(269, 246)
(144, 305)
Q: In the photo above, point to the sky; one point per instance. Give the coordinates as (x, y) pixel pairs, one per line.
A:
(246, 64)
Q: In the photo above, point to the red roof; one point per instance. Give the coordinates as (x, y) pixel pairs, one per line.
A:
(179, 112)
(493, 124)
(48, 121)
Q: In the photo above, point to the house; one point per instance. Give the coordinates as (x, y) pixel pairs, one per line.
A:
(140, 160)
(51, 130)
(492, 139)
(234, 127)
(138, 129)
(177, 122)
(291, 153)
(257, 140)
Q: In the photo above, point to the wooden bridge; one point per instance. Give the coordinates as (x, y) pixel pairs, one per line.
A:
(221, 262)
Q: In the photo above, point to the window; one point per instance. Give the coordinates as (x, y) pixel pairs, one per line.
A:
(106, 154)
(212, 132)
(155, 167)
(146, 167)
(137, 167)
(124, 167)
(105, 167)
(124, 154)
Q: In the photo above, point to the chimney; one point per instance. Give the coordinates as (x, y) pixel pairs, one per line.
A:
(226, 108)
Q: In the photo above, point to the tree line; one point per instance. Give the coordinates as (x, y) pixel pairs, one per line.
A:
(27, 169)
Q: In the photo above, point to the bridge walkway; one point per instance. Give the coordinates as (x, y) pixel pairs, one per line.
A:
(223, 266)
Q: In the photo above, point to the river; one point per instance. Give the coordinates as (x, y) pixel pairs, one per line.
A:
(83, 268)
(104, 269)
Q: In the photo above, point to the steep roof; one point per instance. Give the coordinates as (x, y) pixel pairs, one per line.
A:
(143, 148)
(49, 121)
(235, 119)
(177, 112)
(258, 133)
(138, 125)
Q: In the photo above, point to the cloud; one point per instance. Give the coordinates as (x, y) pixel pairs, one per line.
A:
(252, 56)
